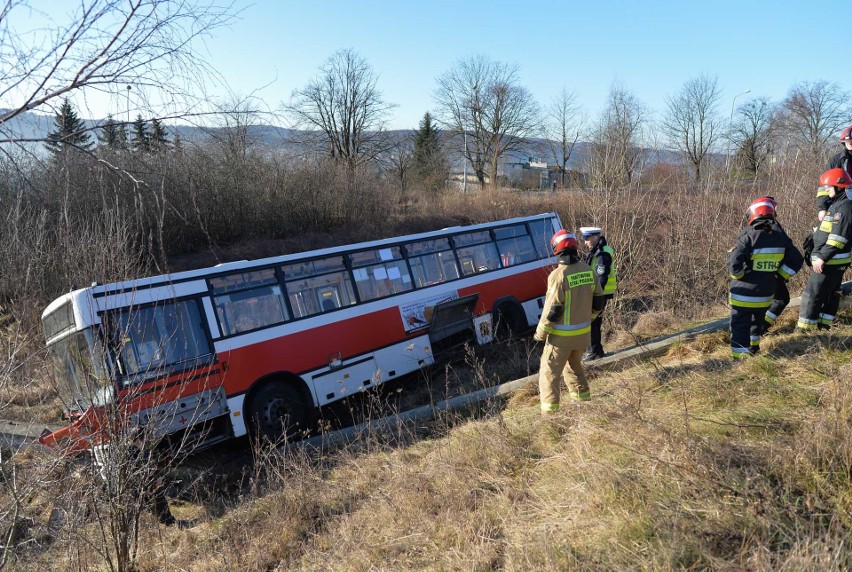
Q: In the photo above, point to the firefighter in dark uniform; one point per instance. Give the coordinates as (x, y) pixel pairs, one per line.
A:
(782, 293)
(841, 160)
(762, 251)
(573, 296)
(832, 253)
(600, 258)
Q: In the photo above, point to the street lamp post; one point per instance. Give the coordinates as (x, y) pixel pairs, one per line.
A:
(128, 103)
(464, 119)
(730, 125)
(464, 159)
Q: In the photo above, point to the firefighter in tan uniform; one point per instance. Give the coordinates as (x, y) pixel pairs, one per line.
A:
(574, 296)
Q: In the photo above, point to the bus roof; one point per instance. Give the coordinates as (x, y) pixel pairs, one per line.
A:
(201, 273)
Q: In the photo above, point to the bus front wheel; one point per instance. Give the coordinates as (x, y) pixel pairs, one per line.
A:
(277, 411)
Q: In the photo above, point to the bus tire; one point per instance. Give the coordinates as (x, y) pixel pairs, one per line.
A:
(509, 320)
(277, 411)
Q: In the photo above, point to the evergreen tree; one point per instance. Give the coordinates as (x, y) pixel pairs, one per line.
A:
(70, 131)
(429, 164)
(141, 136)
(159, 136)
(113, 135)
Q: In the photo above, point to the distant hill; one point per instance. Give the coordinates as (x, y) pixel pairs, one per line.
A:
(31, 125)
(28, 125)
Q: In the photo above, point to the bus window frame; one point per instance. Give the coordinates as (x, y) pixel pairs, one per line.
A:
(345, 270)
(126, 380)
(280, 283)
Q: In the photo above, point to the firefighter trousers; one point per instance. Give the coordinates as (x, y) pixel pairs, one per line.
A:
(779, 302)
(820, 298)
(558, 364)
(746, 327)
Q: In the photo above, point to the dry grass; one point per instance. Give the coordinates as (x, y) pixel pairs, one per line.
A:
(687, 461)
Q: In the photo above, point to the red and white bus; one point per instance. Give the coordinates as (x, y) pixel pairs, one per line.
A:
(259, 346)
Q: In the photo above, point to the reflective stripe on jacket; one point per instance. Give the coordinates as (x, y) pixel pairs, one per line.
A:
(567, 314)
(763, 250)
(602, 261)
(832, 242)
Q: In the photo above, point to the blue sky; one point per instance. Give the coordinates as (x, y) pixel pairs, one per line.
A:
(649, 48)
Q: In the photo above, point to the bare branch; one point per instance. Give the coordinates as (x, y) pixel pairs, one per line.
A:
(104, 43)
(343, 110)
(692, 122)
(483, 99)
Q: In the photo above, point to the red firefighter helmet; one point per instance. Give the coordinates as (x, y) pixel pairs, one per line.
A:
(836, 177)
(562, 241)
(762, 207)
(846, 134)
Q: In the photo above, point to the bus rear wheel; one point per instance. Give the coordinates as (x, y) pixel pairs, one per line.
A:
(277, 411)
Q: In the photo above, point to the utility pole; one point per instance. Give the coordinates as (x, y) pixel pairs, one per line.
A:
(464, 159)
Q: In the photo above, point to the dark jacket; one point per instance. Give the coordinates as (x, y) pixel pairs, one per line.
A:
(833, 236)
(763, 250)
(602, 263)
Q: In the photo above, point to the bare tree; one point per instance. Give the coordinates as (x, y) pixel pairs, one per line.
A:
(563, 126)
(344, 110)
(811, 114)
(615, 153)
(400, 160)
(482, 99)
(692, 123)
(237, 134)
(751, 134)
(102, 44)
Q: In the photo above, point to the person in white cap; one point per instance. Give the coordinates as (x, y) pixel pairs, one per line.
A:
(600, 258)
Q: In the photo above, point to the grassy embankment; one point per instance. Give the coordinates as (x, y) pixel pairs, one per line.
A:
(686, 461)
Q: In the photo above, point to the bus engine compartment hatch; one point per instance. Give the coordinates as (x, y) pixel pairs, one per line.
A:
(453, 320)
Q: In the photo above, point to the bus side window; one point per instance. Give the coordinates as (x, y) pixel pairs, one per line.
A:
(516, 250)
(541, 231)
(380, 280)
(320, 293)
(147, 339)
(432, 269)
(251, 309)
(484, 257)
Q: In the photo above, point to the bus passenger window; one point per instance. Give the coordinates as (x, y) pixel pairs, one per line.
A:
(541, 231)
(483, 257)
(516, 250)
(380, 272)
(433, 268)
(147, 339)
(321, 293)
(382, 280)
(247, 301)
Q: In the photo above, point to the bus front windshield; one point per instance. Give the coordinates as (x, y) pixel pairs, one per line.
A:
(81, 377)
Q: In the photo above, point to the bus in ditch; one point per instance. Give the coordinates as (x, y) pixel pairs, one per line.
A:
(208, 355)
